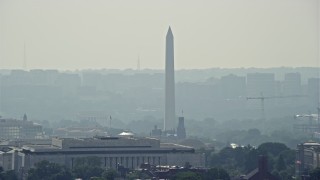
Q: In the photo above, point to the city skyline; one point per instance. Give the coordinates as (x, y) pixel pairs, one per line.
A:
(111, 35)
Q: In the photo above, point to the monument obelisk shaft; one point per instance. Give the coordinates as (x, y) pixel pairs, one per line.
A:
(169, 120)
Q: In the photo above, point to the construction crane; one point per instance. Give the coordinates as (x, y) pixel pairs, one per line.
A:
(262, 98)
(310, 127)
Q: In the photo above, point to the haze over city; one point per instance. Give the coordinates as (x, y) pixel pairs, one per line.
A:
(80, 34)
(159, 89)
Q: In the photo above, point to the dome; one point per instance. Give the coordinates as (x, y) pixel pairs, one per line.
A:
(126, 134)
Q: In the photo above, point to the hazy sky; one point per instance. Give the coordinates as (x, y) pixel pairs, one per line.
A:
(83, 34)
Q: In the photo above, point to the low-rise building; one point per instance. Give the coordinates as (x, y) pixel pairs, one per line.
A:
(6, 157)
(112, 151)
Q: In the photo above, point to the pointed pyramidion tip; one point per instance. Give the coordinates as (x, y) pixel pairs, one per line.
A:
(169, 30)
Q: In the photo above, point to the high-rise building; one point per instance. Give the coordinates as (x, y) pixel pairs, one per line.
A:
(170, 116)
(228, 84)
(260, 83)
(292, 84)
(313, 91)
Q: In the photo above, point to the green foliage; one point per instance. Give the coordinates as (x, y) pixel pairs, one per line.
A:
(137, 175)
(280, 165)
(285, 175)
(96, 178)
(10, 175)
(110, 174)
(45, 170)
(242, 160)
(7, 175)
(217, 173)
(87, 167)
(315, 174)
(187, 176)
(272, 148)
(289, 156)
(251, 160)
(1, 173)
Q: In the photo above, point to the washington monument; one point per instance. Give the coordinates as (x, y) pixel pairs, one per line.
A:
(170, 115)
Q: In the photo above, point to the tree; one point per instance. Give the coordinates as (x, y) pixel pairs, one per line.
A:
(315, 174)
(217, 173)
(87, 167)
(273, 148)
(1, 173)
(110, 174)
(45, 170)
(137, 175)
(280, 165)
(289, 156)
(187, 176)
(10, 175)
(96, 178)
(251, 160)
(285, 175)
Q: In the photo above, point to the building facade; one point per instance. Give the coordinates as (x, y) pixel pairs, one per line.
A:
(19, 129)
(112, 151)
(307, 158)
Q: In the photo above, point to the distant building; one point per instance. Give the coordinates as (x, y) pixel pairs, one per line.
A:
(258, 83)
(178, 133)
(314, 91)
(92, 79)
(261, 85)
(113, 151)
(181, 131)
(79, 132)
(292, 84)
(233, 86)
(156, 132)
(69, 83)
(20, 129)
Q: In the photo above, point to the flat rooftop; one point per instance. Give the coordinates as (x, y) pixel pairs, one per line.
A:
(106, 145)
